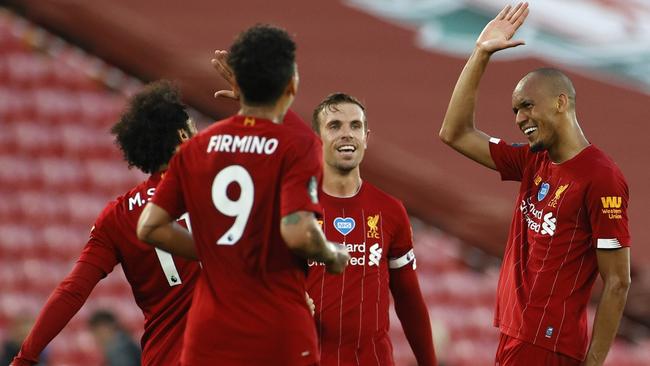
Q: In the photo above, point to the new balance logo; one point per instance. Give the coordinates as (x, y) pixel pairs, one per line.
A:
(611, 201)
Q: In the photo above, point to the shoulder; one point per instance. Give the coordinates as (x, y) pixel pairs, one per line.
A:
(105, 217)
(389, 202)
(133, 200)
(296, 126)
(600, 166)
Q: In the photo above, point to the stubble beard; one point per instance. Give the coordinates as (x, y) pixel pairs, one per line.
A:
(537, 147)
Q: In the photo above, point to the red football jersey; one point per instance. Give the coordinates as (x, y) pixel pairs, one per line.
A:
(162, 284)
(237, 179)
(563, 214)
(352, 309)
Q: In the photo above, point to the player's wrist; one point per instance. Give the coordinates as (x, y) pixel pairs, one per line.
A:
(329, 253)
(481, 53)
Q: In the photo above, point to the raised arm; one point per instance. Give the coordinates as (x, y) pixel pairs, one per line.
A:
(303, 236)
(614, 268)
(458, 129)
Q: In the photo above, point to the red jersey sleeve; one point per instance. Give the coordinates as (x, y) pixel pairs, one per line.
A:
(169, 194)
(509, 159)
(400, 253)
(100, 251)
(607, 200)
(409, 303)
(96, 261)
(299, 190)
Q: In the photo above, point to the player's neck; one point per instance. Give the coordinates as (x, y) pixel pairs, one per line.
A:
(274, 113)
(568, 145)
(341, 184)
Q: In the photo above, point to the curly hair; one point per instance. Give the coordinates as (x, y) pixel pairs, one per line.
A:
(330, 103)
(262, 58)
(147, 132)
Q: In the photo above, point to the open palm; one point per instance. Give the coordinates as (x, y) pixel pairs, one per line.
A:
(220, 64)
(497, 34)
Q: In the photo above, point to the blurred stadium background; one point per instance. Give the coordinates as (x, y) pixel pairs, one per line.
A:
(68, 66)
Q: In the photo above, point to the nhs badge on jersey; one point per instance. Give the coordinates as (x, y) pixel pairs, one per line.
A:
(543, 191)
(344, 225)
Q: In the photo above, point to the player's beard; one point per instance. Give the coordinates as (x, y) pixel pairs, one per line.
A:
(537, 146)
(345, 168)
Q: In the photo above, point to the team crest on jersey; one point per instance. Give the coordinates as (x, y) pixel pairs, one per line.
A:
(344, 225)
(558, 194)
(538, 180)
(543, 191)
(249, 121)
(373, 226)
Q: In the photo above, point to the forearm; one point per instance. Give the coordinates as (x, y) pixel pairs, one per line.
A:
(303, 236)
(413, 315)
(63, 304)
(172, 238)
(315, 246)
(459, 117)
(608, 316)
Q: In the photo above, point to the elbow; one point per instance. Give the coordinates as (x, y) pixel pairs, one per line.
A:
(296, 241)
(619, 285)
(446, 136)
(296, 230)
(143, 231)
(624, 285)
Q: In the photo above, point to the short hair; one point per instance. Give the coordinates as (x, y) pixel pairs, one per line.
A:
(330, 102)
(556, 81)
(102, 317)
(147, 132)
(263, 61)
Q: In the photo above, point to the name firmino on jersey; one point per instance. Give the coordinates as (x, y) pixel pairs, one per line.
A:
(242, 144)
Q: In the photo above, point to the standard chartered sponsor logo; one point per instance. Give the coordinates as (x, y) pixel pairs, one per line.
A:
(548, 226)
(358, 255)
(375, 255)
(537, 220)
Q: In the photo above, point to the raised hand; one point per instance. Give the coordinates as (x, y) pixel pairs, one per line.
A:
(497, 34)
(220, 63)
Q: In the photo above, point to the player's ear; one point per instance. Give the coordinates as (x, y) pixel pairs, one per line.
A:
(183, 135)
(367, 136)
(562, 103)
(292, 87)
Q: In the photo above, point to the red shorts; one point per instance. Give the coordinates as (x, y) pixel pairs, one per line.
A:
(515, 352)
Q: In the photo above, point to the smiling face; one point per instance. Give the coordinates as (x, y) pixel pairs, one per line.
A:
(536, 113)
(343, 131)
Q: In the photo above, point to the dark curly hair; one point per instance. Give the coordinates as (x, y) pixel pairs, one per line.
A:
(147, 132)
(262, 58)
(330, 103)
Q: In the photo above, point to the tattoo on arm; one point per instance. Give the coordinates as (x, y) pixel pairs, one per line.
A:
(291, 219)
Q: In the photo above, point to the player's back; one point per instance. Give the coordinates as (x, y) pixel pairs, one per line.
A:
(250, 301)
(162, 285)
